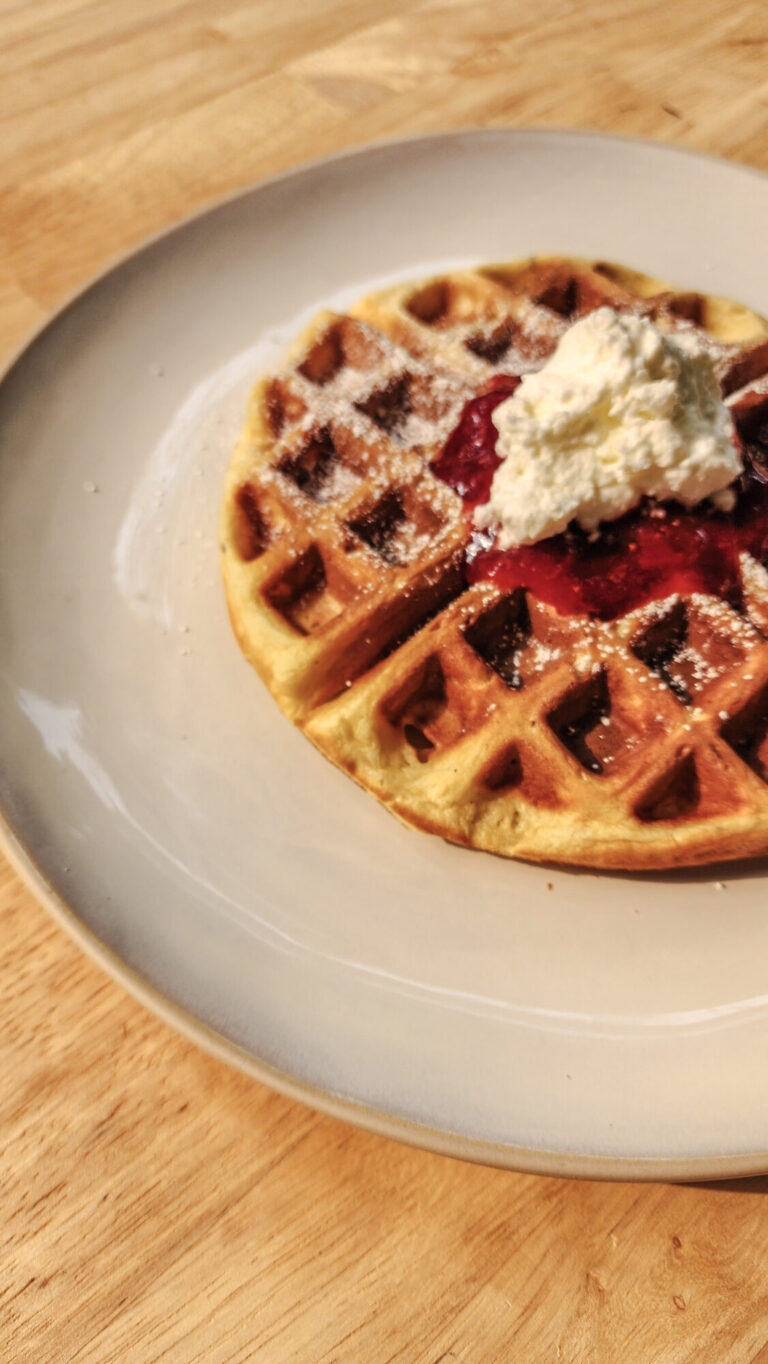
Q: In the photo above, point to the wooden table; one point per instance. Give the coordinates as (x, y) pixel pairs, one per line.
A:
(155, 1204)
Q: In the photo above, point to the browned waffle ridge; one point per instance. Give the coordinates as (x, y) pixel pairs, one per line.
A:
(487, 718)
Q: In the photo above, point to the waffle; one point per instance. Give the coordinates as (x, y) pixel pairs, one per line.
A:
(486, 718)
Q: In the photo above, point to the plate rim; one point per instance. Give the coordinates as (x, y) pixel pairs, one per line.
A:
(561, 1164)
(479, 131)
(520, 1159)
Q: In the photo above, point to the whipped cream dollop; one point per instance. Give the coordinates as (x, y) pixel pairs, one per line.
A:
(620, 411)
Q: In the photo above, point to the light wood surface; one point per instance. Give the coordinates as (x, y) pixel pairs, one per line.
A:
(155, 1205)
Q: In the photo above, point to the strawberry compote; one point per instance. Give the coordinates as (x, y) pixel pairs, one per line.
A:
(651, 552)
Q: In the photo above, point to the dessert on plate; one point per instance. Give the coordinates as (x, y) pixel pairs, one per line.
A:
(496, 541)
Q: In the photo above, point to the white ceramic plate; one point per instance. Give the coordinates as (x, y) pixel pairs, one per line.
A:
(197, 845)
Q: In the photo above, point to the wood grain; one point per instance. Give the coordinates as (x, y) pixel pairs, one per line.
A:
(154, 1205)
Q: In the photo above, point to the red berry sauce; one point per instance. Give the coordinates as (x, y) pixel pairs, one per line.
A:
(468, 460)
(651, 552)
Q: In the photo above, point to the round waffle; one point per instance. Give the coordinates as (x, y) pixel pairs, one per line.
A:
(486, 717)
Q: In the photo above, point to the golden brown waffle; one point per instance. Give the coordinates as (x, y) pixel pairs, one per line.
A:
(487, 718)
